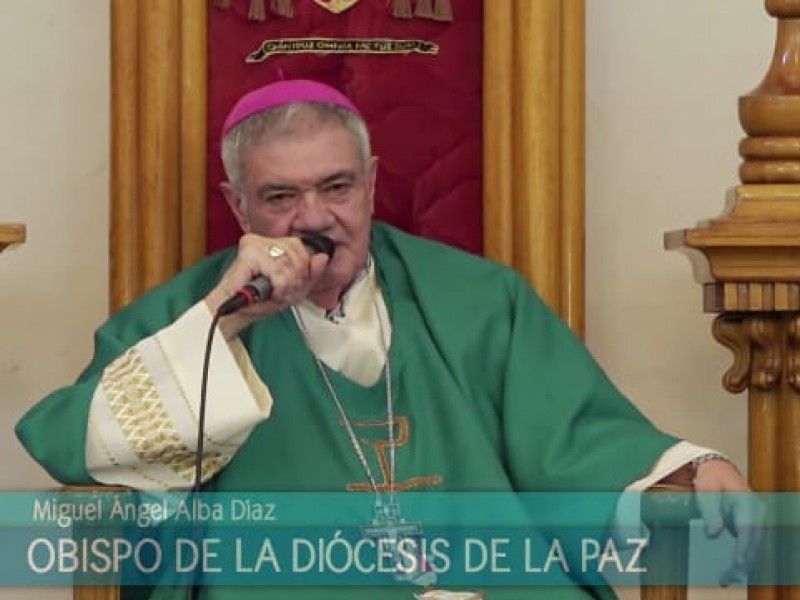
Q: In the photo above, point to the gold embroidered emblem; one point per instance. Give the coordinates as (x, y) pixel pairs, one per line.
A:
(336, 6)
(381, 447)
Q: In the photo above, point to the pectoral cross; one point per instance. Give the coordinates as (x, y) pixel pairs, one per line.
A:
(403, 541)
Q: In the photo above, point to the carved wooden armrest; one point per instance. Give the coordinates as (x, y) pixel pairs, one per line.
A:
(95, 592)
(90, 489)
(667, 509)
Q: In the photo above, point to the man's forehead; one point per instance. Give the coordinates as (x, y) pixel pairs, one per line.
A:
(303, 140)
(276, 169)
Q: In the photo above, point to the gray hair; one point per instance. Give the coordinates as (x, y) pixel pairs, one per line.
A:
(287, 119)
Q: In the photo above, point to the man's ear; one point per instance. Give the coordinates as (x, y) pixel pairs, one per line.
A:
(237, 204)
(372, 176)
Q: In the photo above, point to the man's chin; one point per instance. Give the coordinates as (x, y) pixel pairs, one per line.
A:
(333, 282)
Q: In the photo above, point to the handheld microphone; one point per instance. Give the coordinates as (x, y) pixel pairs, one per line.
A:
(260, 288)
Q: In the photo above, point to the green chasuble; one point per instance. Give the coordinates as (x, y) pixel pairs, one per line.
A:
(492, 393)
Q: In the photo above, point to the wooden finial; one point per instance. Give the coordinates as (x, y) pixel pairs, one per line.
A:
(770, 114)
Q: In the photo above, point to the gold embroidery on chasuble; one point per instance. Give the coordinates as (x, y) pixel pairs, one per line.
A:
(373, 436)
(134, 401)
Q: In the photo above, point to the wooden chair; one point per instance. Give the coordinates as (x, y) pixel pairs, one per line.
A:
(667, 510)
(533, 159)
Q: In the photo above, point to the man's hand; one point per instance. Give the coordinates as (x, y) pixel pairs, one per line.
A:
(725, 501)
(286, 262)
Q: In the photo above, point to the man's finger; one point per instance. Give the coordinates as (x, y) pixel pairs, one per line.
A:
(747, 515)
(710, 506)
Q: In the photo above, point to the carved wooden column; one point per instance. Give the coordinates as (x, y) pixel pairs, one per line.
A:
(158, 130)
(748, 261)
(533, 146)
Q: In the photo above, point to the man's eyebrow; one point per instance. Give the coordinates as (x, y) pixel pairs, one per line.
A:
(275, 187)
(343, 174)
(290, 187)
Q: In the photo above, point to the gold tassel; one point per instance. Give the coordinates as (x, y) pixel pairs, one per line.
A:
(424, 9)
(442, 11)
(257, 12)
(282, 8)
(401, 9)
(224, 4)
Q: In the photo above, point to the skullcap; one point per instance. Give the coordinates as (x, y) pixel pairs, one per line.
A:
(282, 92)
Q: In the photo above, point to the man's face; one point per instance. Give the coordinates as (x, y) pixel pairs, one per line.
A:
(310, 181)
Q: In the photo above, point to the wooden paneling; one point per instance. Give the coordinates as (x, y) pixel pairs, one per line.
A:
(158, 154)
(534, 147)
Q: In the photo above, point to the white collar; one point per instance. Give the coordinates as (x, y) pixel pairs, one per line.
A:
(358, 293)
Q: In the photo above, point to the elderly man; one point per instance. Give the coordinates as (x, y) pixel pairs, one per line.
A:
(393, 364)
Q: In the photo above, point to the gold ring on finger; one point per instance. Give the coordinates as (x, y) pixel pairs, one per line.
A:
(275, 251)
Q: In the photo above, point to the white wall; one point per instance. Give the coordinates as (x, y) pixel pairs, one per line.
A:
(663, 82)
(663, 78)
(54, 170)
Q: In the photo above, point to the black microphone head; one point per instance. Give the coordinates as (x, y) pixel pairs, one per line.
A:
(318, 242)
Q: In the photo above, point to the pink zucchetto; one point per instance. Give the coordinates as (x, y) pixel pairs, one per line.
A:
(284, 92)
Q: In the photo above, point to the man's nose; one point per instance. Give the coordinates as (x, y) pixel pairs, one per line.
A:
(312, 211)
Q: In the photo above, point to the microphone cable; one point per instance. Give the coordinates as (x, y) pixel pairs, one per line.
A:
(201, 411)
(193, 590)
(316, 243)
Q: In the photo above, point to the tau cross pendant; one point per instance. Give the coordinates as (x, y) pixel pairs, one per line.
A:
(388, 524)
